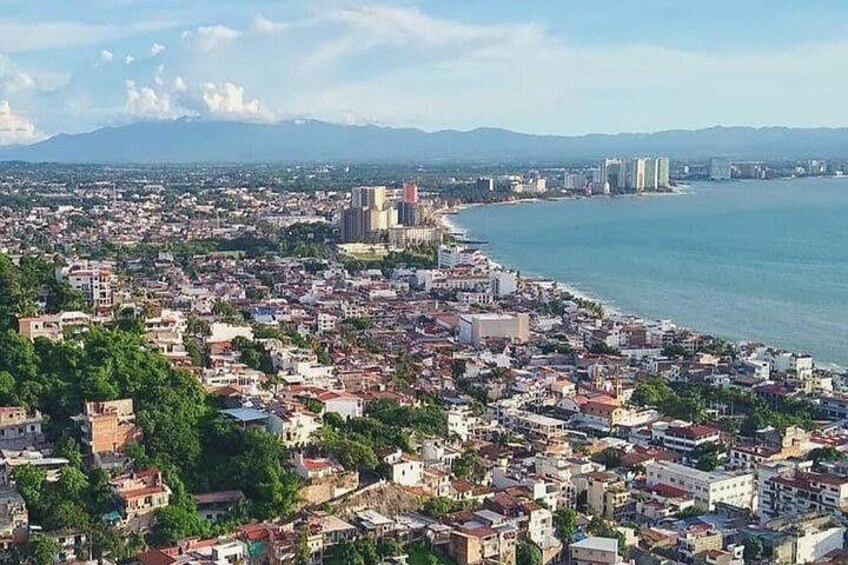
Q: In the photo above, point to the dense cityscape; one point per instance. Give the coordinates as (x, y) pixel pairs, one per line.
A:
(311, 364)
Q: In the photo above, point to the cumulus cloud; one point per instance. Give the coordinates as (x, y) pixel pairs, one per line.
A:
(159, 75)
(226, 100)
(207, 38)
(156, 48)
(262, 24)
(147, 102)
(168, 98)
(15, 128)
(14, 80)
(106, 56)
(129, 59)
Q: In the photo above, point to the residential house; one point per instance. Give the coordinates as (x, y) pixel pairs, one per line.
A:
(20, 428)
(140, 494)
(594, 551)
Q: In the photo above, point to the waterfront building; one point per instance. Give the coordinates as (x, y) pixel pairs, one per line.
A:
(575, 181)
(503, 283)
(485, 183)
(635, 180)
(652, 180)
(663, 168)
(451, 256)
(612, 174)
(719, 169)
(405, 236)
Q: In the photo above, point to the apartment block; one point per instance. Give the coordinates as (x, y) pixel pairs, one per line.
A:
(474, 328)
(93, 280)
(708, 488)
(790, 491)
(107, 427)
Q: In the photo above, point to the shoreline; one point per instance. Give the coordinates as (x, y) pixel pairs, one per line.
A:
(609, 310)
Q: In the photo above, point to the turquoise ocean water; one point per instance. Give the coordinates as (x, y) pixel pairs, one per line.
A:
(748, 260)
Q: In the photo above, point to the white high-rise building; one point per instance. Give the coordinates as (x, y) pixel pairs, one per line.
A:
(611, 175)
(92, 279)
(636, 174)
(373, 197)
(485, 183)
(719, 169)
(651, 174)
(663, 168)
(368, 213)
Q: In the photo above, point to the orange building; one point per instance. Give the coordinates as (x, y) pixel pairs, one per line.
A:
(108, 426)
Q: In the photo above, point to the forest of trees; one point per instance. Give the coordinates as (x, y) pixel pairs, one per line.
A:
(692, 401)
(183, 434)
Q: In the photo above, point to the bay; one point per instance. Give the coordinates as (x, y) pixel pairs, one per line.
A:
(748, 260)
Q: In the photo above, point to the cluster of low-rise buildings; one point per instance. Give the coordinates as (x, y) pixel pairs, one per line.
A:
(539, 390)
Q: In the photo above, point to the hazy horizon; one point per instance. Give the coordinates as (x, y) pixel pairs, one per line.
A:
(542, 67)
(208, 119)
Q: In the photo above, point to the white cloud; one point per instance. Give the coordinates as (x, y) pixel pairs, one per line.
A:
(405, 67)
(170, 99)
(207, 38)
(14, 80)
(146, 102)
(106, 56)
(412, 34)
(18, 36)
(15, 128)
(262, 24)
(408, 25)
(156, 48)
(129, 59)
(226, 100)
(159, 75)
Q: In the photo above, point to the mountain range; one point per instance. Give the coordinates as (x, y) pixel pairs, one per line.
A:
(194, 141)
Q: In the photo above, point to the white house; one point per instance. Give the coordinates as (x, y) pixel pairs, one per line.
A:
(707, 488)
(344, 404)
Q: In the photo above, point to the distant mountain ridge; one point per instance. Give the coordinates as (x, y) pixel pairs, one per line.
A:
(195, 141)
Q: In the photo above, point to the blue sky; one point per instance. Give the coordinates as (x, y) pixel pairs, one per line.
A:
(542, 66)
